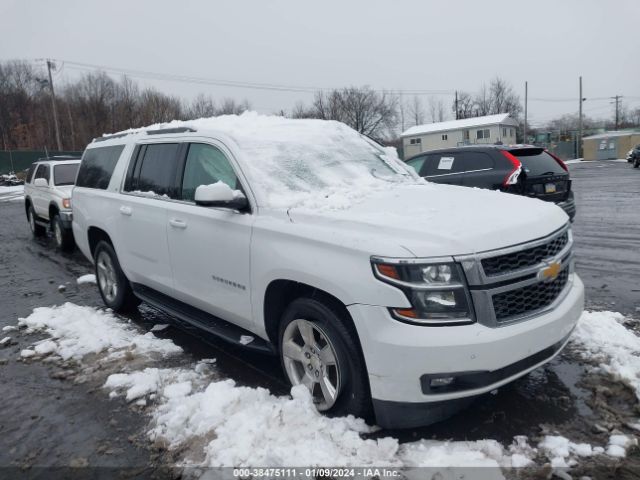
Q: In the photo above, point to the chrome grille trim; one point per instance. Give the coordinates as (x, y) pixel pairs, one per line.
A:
(484, 287)
(472, 264)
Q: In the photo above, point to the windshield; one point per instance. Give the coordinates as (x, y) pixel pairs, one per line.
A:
(290, 173)
(65, 174)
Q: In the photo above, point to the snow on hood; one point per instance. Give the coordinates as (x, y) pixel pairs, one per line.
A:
(435, 220)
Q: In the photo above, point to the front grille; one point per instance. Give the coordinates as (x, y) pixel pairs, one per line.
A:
(528, 299)
(524, 258)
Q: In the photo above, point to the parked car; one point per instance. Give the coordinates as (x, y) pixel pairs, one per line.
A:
(10, 180)
(635, 156)
(47, 198)
(301, 238)
(522, 169)
(630, 156)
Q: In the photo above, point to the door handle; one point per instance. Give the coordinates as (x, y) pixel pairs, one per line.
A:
(126, 211)
(177, 223)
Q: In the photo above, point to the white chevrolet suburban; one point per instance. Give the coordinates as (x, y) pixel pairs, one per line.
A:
(380, 292)
(47, 198)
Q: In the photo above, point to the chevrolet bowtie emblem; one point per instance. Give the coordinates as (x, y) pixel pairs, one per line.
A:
(550, 273)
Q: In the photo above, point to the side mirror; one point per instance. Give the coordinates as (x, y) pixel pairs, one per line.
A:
(220, 195)
(40, 182)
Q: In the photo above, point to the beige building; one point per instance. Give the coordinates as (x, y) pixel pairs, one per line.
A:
(455, 133)
(609, 145)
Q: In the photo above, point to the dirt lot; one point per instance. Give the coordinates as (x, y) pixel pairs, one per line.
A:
(50, 420)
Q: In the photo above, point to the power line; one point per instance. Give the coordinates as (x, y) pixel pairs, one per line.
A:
(231, 83)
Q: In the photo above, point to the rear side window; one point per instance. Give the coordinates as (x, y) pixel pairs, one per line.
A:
(478, 161)
(445, 163)
(97, 167)
(537, 162)
(65, 174)
(156, 170)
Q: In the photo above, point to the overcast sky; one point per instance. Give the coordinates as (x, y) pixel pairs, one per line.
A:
(410, 45)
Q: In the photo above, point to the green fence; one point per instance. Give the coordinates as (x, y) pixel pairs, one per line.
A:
(19, 160)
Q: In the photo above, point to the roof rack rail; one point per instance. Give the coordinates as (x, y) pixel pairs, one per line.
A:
(171, 130)
(110, 137)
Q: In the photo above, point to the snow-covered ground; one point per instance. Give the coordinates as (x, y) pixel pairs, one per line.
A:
(9, 194)
(212, 421)
(88, 278)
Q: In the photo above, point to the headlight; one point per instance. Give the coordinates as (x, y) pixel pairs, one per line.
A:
(437, 291)
(66, 203)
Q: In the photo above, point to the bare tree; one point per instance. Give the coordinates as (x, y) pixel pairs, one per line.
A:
(436, 110)
(363, 109)
(156, 107)
(498, 97)
(200, 107)
(466, 105)
(230, 107)
(416, 110)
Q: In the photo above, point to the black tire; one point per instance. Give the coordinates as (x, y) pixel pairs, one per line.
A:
(36, 229)
(62, 236)
(636, 163)
(123, 300)
(353, 395)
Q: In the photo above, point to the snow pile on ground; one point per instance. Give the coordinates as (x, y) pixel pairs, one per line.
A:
(10, 194)
(214, 422)
(601, 336)
(88, 278)
(78, 331)
(305, 162)
(244, 426)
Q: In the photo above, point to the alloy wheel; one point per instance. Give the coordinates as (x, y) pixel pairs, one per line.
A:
(58, 233)
(310, 359)
(107, 278)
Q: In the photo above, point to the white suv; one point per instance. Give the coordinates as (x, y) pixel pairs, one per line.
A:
(381, 292)
(47, 198)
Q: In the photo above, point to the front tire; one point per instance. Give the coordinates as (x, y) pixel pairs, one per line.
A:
(113, 285)
(63, 236)
(636, 163)
(318, 351)
(36, 229)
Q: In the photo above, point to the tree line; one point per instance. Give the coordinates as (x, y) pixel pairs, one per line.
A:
(97, 103)
(87, 108)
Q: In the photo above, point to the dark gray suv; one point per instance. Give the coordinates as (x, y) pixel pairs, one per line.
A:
(522, 170)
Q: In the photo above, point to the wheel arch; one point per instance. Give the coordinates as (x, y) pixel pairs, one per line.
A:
(94, 236)
(53, 210)
(281, 292)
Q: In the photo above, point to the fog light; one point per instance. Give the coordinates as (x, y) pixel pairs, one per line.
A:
(441, 382)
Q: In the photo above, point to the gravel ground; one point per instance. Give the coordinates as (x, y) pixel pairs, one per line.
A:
(49, 420)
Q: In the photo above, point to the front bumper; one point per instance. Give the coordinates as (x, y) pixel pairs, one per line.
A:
(399, 356)
(66, 218)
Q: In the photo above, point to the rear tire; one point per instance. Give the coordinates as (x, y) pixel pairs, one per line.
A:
(636, 163)
(113, 285)
(310, 361)
(36, 229)
(63, 236)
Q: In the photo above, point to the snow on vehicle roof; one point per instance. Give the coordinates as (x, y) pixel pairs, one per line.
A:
(302, 162)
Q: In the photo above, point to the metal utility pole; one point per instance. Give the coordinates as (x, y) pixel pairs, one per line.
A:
(617, 99)
(526, 93)
(580, 122)
(456, 104)
(51, 65)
